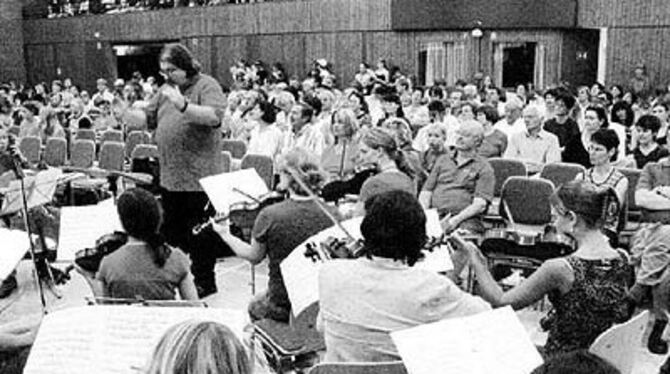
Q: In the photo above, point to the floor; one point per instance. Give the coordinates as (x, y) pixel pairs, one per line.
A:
(234, 282)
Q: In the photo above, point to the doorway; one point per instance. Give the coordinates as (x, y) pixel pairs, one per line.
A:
(518, 65)
(142, 57)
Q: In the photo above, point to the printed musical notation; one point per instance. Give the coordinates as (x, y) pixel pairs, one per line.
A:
(111, 339)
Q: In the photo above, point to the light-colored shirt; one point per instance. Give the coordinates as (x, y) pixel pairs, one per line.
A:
(518, 126)
(362, 301)
(534, 151)
(309, 138)
(266, 140)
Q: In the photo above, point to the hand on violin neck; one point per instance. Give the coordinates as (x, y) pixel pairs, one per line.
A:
(220, 227)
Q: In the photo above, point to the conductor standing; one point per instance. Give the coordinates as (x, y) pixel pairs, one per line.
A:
(186, 115)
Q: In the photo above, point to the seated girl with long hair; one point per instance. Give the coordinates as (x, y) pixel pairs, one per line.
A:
(145, 266)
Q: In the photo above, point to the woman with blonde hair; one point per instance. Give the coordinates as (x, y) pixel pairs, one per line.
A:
(339, 159)
(199, 347)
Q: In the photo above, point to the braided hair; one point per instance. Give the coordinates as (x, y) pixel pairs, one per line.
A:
(380, 138)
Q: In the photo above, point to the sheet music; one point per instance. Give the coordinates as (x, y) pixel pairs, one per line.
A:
(221, 188)
(301, 274)
(40, 189)
(14, 246)
(489, 342)
(81, 226)
(111, 339)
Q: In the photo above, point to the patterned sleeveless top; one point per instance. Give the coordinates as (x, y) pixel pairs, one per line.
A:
(612, 215)
(595, 302)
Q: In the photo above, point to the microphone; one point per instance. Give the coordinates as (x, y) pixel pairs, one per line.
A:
(17, 160)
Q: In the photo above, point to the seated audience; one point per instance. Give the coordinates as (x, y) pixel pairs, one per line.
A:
(512, 122)
(30, 120)
(279, 229)
(304, 133)
(648, 150)
(494, 143)
(461, 183)
(199, 347)
(533, 146)
(145, 266)
(265, 137)
(363, 300)
(587, 289)
(436, 136)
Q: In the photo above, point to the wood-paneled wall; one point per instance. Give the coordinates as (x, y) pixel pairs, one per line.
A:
(11, 44)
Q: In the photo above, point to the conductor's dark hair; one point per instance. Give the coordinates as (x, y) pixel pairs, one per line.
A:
(141, 217)
(179, 56)
(394, 227)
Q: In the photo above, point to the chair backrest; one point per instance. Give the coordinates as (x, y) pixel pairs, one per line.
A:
(394, 367)
(145, 151)
(237, 148)
(560, 173)
(619, 344)
(85, 134)
(504, 168)
(227, 161)
(112, 156)
(263, 166)
(112, 136)
(55, 152)
(134, 139)
(83, 153)
(527, 200)
(30, 147)
(633, 175)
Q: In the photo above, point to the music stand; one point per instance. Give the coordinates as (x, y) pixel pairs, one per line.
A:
(23, 194)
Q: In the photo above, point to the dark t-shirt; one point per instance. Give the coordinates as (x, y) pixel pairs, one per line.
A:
(282, 227)
(130, 272)
(564, 131)
(653, 156)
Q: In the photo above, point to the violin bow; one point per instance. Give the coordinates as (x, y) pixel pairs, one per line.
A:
(295, 174)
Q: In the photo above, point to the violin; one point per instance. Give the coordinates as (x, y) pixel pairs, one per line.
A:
(243, 214)
(89, 259)
(542, 245)
(337, 189)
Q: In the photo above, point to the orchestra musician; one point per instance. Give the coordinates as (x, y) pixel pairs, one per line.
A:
(145, 266)
(186, 114)
(363, 300)
(378, 147)
(587, 289)
(280, 228)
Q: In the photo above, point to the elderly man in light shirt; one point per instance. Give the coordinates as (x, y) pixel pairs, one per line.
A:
(512, 123)
(534, 146)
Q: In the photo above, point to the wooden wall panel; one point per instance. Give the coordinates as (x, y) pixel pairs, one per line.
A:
(622, 13)
(227, 49)
(294, 48)
(40, 63)
(12, 66)
(69, 58)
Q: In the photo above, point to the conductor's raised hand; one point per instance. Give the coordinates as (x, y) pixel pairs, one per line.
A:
(173, 94)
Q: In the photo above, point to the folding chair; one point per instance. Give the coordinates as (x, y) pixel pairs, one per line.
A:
(111, 136)
(111, 159)
(87, 134)
(526, 200)
(290, 346)
(394, 367)
(262, 164)
(237, 148)
(55, 152)
(30, 147)
(502, 169)
(83, 153)
(145, 151)
(619, 344)
(560, 173)
(134, 139)
(112, 156)
(633, 213)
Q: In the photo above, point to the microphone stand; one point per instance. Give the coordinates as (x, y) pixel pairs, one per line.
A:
(18, 171)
